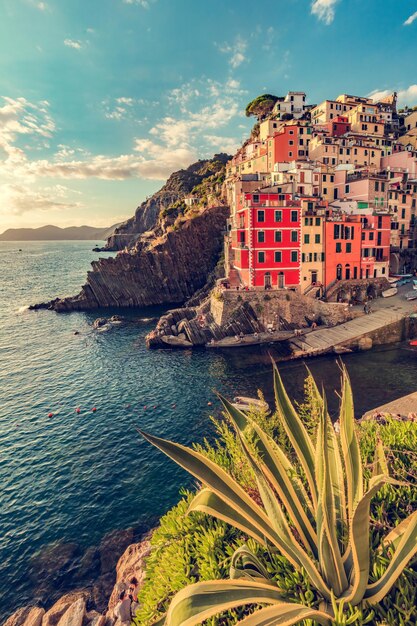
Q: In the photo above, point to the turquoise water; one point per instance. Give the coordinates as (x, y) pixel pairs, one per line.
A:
(71, 479)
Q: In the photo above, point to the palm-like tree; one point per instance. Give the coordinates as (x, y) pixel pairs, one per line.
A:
(315, 512)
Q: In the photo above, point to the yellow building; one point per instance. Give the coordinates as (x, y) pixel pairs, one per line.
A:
(312, 246)
(366, 119)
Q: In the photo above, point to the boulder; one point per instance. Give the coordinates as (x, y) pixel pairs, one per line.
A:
(365, 343)
(54, 614)
(18, 617)
(34, 617)
(131, 564)
(74, 615)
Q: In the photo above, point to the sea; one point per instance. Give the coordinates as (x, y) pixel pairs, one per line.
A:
(74, 473)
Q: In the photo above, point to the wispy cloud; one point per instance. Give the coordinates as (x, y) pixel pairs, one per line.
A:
(410, 19)
(142, 3)
(73, 43)
(17, 199)
(236, 51)
(324, 10)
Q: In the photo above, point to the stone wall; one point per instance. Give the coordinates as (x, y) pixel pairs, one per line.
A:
(284, 308)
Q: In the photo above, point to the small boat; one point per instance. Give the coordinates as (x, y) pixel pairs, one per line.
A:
(414, 284)
(392, 279)
(402, 281)
(411, 295)
(413, 342)
(389, 292)
(244, 403)
(397, 276)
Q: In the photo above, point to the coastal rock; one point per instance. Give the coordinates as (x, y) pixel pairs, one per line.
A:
(99, 322)
(54, 614)
(18, 618)
(131, 564)
(74, 615)
(34, 617)
(168, 268)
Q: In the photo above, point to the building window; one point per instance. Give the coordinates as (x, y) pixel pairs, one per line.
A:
(318, 221)
(347, 188)
(316, 238)
(261, 216)
(290, 154)
(294, 256)
(336, 231)
(338, 247)
(278, 256)
(261, 257)
(278, 236)
(294, 236)
(348, 247)
(371, 236)
(278, 216)
(291, 142)
(294, 216)
(261, 236)
(256, 198)
(306, 238)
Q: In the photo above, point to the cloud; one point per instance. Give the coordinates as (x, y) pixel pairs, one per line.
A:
(17, 199)
(198, 111)
(324, 10)
(142, 3)
(406, 97)
(73, 43)
(410, 19)
(236, 51)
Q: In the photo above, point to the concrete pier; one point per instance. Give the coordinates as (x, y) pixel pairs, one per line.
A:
(389, 322)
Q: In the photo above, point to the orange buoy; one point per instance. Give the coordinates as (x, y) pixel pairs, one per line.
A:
(50, 414)
(78, 410)
(145, 407)
(94, 409)
(209, 403)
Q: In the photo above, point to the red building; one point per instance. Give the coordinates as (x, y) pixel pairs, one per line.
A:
(338, 126)
(265, 240)
(356, 247)
(289, 144)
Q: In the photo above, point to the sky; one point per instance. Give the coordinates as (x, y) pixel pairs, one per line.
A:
(100, 100)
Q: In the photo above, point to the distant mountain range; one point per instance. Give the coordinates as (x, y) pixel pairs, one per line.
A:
(54, 233)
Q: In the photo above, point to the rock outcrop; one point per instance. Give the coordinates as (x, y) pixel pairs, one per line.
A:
(178, 185)
(168, 267)
(78, 608)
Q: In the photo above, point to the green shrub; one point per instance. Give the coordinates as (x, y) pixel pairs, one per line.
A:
(187, 549)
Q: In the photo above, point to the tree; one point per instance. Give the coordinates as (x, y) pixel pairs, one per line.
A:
(261, 106)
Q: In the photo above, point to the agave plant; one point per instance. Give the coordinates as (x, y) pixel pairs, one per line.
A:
(315, 511)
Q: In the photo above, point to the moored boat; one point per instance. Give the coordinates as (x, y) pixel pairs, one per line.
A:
(411, 295)
(389, 292)
(244, 403)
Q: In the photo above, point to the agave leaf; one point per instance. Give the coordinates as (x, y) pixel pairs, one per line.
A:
(279, 522)
(245, 564)
(224, 486)
(296, 432)
(206, 501)
(394, 537)
(335, 466)
(380, 460)
(406, 549)
(281, 475)
(329, 553)
(196, 603)
(350, 446)
(285, 614)
(359, 540)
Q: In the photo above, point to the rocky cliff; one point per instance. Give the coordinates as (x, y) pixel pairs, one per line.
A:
(178, 185)
(171, 262)
(166, 268)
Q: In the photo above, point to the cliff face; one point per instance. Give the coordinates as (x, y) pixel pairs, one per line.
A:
(167, 267)
(178, 185)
